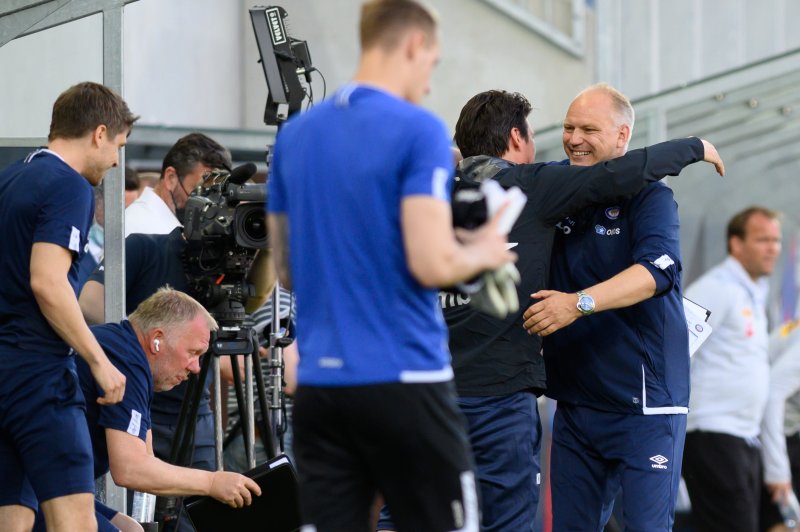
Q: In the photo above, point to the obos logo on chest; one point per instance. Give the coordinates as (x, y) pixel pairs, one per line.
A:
(600, 230)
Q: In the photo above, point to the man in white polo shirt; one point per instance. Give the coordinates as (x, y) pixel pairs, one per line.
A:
(730, 378)
(159, 210)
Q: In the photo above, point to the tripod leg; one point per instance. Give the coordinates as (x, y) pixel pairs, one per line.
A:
(267, 437)
(218, 415)
(241, 403)
(186, 449)
(250, 436)
(188, 415)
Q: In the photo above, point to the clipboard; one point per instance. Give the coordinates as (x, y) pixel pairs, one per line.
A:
(276, 510)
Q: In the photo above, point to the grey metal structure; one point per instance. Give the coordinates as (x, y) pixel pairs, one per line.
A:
(24, 17)
(645, 47)
(752, 115)
(562, 22)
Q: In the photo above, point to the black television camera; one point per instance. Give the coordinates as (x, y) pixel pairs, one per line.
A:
(224, 226)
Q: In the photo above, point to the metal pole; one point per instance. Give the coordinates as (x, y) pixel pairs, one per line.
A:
(249, 412)
(218, 410)
(113, 195)
(276, 370)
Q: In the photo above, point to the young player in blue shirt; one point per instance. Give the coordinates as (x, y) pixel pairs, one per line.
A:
(359, 205)
(46, 209)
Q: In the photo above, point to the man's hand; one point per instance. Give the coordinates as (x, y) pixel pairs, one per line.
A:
(555, 311)
(710, 155)
(779, 491)
(233, 489)
(110, 379)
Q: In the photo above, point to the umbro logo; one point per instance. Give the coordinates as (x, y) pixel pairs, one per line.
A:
(658, 461)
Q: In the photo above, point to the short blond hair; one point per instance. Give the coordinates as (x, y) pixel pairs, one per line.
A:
(169, 309)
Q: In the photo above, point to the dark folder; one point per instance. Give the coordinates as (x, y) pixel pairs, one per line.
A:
(276, 510)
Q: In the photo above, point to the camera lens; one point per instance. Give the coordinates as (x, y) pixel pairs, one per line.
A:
(250, 226)
(254, 225)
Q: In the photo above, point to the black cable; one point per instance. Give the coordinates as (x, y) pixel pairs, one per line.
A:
(324, 83)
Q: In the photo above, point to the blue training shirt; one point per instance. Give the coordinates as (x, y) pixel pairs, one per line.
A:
(632, 360)
(42, 199)
(132, 414)
(340, 173)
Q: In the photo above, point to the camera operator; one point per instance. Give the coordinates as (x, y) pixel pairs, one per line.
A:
(153, 260)
(155, 348)
(46, 208)
(159, 210)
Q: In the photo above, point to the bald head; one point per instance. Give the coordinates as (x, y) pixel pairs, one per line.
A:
(598, 125)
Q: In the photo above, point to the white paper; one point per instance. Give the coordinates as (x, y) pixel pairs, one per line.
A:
(496, 197)
(696, 324)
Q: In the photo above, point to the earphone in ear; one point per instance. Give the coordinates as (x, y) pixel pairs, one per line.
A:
(157, 344)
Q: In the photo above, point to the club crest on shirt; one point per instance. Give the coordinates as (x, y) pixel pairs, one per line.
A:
(612, 213)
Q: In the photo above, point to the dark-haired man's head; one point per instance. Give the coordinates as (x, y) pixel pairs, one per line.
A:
(496, 123)
(186, 163)
(80, 109)
(89, 125)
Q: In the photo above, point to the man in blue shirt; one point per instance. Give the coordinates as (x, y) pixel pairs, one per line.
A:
(156, 349)
(621, 377)
(362, 185)
(46, 209)
(153, 261)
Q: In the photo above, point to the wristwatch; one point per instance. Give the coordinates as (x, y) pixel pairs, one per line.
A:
(585, 303)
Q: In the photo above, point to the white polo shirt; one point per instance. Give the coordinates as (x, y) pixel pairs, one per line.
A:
(149, 215)
(782, 414)
(730, 372)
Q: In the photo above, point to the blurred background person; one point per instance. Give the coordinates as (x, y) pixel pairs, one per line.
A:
(722, 463)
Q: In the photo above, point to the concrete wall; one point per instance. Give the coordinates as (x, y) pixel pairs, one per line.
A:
(647, 46)
(193, 63)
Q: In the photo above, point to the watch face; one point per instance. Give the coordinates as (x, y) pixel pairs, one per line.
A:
(586, 304)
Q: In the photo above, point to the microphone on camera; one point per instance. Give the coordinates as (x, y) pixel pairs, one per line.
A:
(242, 173)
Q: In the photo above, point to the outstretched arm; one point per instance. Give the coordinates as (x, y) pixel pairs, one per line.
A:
(132, 466)
(557, 191)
